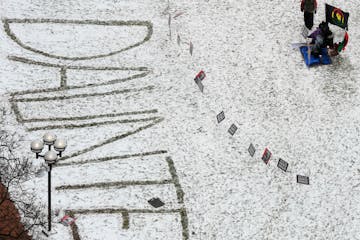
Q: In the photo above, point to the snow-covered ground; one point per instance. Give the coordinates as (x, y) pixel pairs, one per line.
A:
(111, 79)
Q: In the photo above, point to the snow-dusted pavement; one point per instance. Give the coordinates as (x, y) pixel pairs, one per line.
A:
(111, 78)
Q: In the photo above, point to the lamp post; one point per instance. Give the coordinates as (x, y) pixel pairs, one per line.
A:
(50, 158)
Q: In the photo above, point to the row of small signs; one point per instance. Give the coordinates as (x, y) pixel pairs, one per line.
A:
(233, 128)
(283, 165)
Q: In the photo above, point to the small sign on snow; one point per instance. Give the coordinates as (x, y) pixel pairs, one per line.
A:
(199, 83)
(67, 220)
(266, 156)
(233, 128)
(220, 116)
(198, 78)
(282, 165)
(302, 179)
(251, 150)
(201, 75)
(156, 202)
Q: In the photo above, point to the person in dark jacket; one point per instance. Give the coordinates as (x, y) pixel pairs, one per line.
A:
(309, 7)
(322, 37)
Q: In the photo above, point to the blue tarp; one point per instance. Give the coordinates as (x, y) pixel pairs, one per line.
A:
(323, 59)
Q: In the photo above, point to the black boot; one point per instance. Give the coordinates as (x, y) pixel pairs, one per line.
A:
(315, 52)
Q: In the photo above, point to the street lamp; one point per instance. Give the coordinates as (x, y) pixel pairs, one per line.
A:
(50, 158)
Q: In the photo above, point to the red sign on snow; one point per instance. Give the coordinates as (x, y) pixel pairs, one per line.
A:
(201, 75)
(67, 220)
(266, 156)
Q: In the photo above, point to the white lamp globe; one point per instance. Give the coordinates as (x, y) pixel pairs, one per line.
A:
(49, 138)
(50, 157)
(60, 145)
(37, 146)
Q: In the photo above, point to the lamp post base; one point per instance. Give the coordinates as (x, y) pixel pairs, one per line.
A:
(47, 233)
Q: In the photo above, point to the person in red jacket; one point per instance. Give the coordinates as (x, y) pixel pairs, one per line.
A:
(309, 7)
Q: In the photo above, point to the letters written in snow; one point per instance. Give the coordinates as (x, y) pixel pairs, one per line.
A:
(220, 116)
(251, 150)
(282, 165)
(302, 179)
(266, 156)
(233, 128)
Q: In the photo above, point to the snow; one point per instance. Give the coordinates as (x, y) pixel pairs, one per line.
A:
(307, 116)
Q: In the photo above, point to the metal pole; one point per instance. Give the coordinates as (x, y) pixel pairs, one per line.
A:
(49, 198)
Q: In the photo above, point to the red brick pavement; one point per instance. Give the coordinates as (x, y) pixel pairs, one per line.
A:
(10, 226)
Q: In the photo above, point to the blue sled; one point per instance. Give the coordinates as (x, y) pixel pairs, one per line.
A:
(324, 58)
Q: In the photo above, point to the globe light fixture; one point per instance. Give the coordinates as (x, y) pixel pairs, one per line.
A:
(60, 145)
(50, 157)
(49, 139)
(36, 147)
